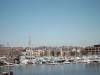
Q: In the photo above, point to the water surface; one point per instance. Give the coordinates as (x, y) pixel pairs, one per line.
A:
(61, 69)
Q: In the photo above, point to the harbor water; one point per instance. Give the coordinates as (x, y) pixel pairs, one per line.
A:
(58, 69)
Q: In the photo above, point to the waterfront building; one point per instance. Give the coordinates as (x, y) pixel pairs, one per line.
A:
(4, 51)
(11, 54)
(92, 50)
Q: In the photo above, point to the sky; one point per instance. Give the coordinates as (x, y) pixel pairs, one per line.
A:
(50, 22)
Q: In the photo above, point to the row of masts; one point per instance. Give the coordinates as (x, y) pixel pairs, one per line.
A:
(48, 54)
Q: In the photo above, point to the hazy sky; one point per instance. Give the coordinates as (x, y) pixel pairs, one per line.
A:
(50, 22)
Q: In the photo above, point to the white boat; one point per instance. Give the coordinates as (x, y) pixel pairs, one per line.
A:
(27, 60)
(52, 63)
(67, 62)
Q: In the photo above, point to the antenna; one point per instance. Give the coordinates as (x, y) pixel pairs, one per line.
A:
(29, 43)
(30, 47)
(8, 44)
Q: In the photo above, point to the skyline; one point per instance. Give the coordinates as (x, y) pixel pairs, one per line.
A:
(50, 23)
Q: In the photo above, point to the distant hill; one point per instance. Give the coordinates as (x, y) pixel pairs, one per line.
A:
(1, 45)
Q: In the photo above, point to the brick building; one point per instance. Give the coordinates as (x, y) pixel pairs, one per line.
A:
(92, 50)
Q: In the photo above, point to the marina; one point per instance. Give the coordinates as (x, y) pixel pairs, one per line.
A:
(49, 37)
